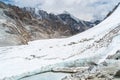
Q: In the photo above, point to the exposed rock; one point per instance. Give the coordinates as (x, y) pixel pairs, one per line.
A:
(115, 56)
(117, 74)
(100, 72)
(112, 10)
(75, 24)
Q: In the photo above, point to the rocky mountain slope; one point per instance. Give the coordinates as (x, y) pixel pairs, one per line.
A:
(21, 25)
(92, 47)
(74, 23)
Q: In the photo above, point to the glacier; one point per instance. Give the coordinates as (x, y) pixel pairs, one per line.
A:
(39, 56)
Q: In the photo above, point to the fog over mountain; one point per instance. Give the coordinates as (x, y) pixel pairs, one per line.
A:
(93, 9)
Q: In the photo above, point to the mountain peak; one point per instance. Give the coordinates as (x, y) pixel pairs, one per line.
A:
(68, 14)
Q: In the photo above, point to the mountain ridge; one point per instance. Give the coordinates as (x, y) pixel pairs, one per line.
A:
(24, 25)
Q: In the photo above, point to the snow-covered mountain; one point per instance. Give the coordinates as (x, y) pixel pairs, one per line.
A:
(74, 23)
(93, 45)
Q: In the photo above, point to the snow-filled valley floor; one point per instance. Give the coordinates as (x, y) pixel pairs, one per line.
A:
(95, 44)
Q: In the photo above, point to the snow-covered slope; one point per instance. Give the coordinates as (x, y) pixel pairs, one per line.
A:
(95, 44)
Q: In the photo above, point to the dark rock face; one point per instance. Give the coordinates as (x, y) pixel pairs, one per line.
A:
(76, 25)
(117, 74)
(112, 10)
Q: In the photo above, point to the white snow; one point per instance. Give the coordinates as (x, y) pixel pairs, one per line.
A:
(42, 55)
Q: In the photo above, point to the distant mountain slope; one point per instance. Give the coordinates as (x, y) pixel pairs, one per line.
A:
(74, 23)
(21, 25)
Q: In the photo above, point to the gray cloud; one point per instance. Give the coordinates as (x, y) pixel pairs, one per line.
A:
(83, 9)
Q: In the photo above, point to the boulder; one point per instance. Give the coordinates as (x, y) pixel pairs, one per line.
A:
(117, 74)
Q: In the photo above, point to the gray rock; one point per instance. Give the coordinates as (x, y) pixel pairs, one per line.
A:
(117, 74)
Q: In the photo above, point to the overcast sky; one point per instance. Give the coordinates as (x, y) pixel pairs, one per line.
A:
(83, 9)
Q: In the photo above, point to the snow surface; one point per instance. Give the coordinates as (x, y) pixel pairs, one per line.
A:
(39, 56)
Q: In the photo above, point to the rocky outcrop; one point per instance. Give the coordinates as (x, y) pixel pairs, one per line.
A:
(117, 74)
(112, 10)
(75, 24)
